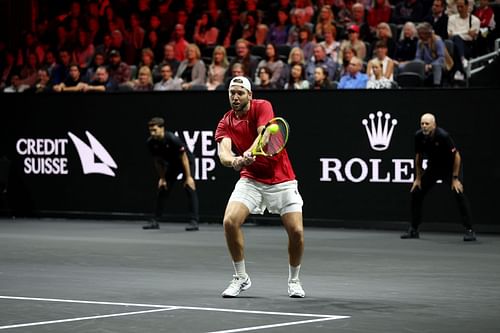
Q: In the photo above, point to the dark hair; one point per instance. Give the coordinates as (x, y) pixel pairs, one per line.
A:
(156, 121)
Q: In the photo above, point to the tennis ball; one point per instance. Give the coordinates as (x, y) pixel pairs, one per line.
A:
(273, 128)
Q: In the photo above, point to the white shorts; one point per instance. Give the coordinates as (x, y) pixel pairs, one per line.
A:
(278, 198)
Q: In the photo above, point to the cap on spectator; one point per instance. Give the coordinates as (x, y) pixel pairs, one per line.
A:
(353, 27)
(241, 81)
(114, 53)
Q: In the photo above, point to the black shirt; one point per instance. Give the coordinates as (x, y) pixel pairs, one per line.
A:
(169, 150)
(439, 149)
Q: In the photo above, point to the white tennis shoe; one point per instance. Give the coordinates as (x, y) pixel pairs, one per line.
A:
(237, 285)
(295, 289)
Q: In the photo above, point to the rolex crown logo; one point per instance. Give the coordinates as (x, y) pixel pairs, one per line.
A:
(379, 132)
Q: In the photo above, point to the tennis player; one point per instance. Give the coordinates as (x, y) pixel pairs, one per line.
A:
(265, 183)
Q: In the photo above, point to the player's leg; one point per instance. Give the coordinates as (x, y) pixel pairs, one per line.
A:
(293, 224)
(285, 199)
(245, 199)
(234, 217)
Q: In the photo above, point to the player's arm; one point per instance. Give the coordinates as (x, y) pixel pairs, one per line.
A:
(188, 178)
(456, 185)
(228, 158)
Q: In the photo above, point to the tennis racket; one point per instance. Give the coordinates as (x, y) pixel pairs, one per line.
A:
(273, 138)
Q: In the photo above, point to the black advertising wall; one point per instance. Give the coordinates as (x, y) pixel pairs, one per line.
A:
(352, 151)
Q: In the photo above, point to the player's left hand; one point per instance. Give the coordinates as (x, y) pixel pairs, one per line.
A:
(190, 183)
(457, 186)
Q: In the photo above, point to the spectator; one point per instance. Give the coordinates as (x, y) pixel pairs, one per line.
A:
(297, 78)
(43, 83)
(119, 71)
(438, 19)
(305, 42)
(430, 50)
(354, 42)
(358, 18)
(463, 29)
(321, 80)
(102, 83)
(8, 69)
(99, 60)
(296, 56)
(169, 57)
(217, 69)
(261, 33)
(144, 81)
(148, 59)
(354, 79)
(406, 46)
(487, 25)
(320, 59)
(264, 82)
(136, 35)
(84, 50)
(300, 22)
(386, 62)
(384, 33)
(205, 32)
(179, 42)
(72, 82)
(192, 69)
(271, 62)
(16, 85)
(29, 70)
(325, 21)
(347, 55)
(127, 52)
(330, 44)
(377, 80)
(167, 82)
(408, 10)
(244, 57)
(278, 33)
(380, 11)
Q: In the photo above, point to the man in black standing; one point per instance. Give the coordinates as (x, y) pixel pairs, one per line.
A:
(171, 158)
(443, 163)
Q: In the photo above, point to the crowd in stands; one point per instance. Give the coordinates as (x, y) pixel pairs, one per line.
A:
(146, 45)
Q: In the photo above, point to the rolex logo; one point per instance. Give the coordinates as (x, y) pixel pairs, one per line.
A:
(378, 131)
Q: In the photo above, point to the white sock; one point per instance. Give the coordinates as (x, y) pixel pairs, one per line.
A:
(293, 272)
(239, 268)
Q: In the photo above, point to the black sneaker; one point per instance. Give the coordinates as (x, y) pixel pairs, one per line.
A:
(151, 225)
(192, 226)
(469, 235)
(411, 233)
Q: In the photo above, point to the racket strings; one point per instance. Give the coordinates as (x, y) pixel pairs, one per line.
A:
(276, 141)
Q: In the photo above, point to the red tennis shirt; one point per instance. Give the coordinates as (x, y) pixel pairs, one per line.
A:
(243, 131)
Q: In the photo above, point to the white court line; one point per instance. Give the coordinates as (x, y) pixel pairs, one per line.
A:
(159, 307)
(290, 323)
(83, 318)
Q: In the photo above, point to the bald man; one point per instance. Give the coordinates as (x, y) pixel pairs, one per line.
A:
(443, 163)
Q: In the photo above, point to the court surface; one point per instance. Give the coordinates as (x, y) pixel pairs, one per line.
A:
(112, 276)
